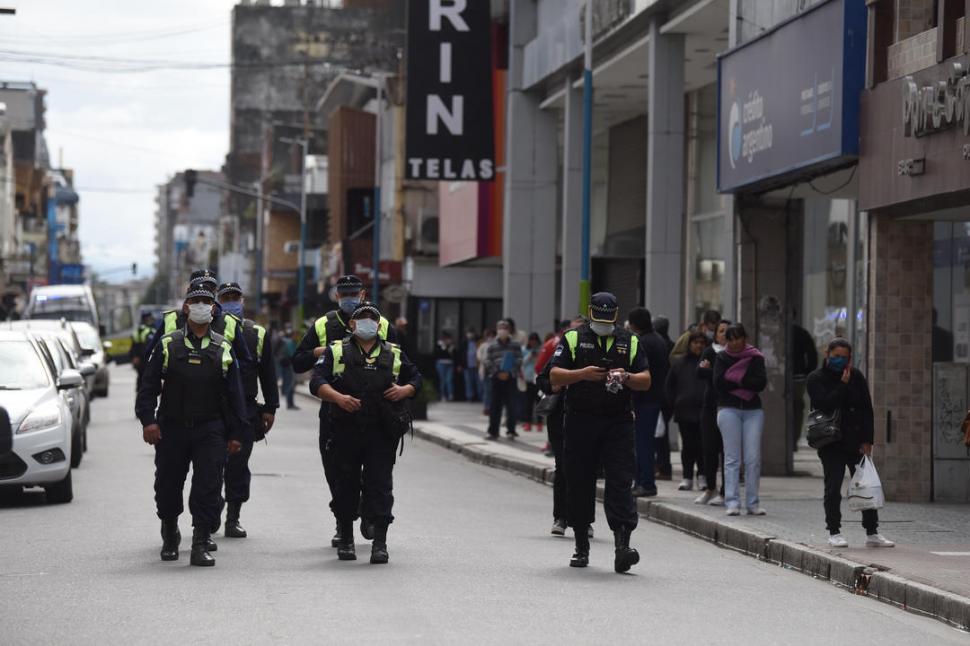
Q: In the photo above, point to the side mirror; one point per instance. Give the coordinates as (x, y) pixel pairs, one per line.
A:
(70, 379)
(86, 369)
(87, 352)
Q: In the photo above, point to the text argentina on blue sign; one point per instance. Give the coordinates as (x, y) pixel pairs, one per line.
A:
(789, 101)
(450, 131)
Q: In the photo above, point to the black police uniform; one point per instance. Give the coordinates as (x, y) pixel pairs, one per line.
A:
(332, 326)
(361, 442)
(255, 377)
(599, 429)
(201, 410)
(224, 324)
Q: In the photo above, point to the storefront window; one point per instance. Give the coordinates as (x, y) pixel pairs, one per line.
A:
(711, 247)
(825, 269)
(951, 292)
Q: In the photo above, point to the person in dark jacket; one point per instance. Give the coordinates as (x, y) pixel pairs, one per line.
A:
(804, 362)
(647, 405)
(739, 375)
(711, 443)
(839, 386)
(685, 392)
(661, 445)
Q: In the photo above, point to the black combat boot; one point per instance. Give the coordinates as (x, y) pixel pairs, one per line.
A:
(233, 528)
(345, 549)
(171, 538)
(200, 550)
(581, 557)
(335, 541)
(626, 556)
(378, 550)
(368, 527)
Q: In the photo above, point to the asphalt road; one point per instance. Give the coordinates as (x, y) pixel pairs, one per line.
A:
(471, 562)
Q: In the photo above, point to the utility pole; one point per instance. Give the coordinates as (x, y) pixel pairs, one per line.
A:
(584, 286)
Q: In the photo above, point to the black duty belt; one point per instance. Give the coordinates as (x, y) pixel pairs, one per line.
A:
(192, 423)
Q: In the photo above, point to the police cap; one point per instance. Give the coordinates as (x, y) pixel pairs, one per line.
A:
(603, 307)
(207, 275)
(349, 284)
(366, 310)
(230, 288)
(199, 288)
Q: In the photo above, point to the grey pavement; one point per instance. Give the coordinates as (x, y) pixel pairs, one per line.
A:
(933, 540)
(471, 562)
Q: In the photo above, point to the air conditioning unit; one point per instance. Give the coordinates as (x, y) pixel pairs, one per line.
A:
(425, 235)
(291, 246)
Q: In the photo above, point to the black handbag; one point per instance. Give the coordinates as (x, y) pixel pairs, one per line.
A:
(824, 428)
(548, 405)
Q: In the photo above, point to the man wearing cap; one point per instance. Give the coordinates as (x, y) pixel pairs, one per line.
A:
(334, 326)
(140, 339)
(363, 382)
(260, 375)
(223, 324)
(199, 419)
(601, 364)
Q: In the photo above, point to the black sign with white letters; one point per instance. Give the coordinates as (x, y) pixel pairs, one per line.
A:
(450, 130)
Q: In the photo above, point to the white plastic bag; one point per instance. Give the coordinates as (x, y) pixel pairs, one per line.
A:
(865, 488)
(661, 429)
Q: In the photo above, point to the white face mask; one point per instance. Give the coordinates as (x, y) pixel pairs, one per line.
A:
(366, 329)
(200, 313)
(601, 329)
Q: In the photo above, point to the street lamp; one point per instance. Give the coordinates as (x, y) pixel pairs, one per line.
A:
(303, 142)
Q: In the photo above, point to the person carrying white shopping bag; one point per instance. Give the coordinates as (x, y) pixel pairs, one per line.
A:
(865, 488)
(841, 428)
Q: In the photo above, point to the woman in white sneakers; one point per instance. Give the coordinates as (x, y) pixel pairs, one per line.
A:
(839, 386)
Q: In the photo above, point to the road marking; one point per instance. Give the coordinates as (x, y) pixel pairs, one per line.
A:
(26, 574)
(951, 553)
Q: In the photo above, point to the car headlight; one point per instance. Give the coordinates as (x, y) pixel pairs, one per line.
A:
(43, 418)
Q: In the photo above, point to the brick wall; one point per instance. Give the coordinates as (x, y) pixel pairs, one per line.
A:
(900, 353)
(282, 227)
(912, 54)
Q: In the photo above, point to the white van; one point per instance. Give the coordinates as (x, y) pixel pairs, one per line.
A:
(71, 302)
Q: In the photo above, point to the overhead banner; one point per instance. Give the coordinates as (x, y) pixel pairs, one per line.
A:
(788, 101)
(450, 131)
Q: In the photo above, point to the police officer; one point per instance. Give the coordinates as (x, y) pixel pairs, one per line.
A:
(335, 326)
(199, 419)
(261, 375)
(365, 381)
(224, 324)
(600, 364)
(140, 339)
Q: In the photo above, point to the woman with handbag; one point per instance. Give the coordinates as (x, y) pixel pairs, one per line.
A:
(842, 429)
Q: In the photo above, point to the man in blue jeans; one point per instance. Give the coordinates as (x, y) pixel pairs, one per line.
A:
(647, 404)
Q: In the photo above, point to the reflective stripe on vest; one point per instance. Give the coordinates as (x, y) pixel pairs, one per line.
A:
(382, 328)
(229, 333)
(260, 339)
(170, 322)
(337, 350)
(165, 341)
(572, 340)
(634, 347)
(226, 357)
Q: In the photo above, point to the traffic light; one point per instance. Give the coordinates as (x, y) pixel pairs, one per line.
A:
(190, 178)
(134, 269)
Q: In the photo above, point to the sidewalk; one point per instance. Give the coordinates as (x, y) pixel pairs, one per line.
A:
(926, 572)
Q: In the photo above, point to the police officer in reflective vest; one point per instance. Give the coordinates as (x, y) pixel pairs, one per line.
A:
(600, 364)
(199, 419)
(258, 376)
(365, 381)
(140, 339)
(225, 324)
(334, 326)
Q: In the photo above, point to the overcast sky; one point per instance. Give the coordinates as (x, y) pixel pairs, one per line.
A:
(124, 133)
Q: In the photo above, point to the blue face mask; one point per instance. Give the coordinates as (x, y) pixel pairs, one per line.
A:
(837, 364)
(233, 307)
(348, 304)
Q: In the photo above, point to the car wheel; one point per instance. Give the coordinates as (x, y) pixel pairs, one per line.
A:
(60, 492)
(77, 449)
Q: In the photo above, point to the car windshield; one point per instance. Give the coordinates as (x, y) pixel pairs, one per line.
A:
(72, 308)
(87, 335)
(21, 368)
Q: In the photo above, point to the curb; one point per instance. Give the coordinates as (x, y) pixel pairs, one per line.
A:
(919, 598)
